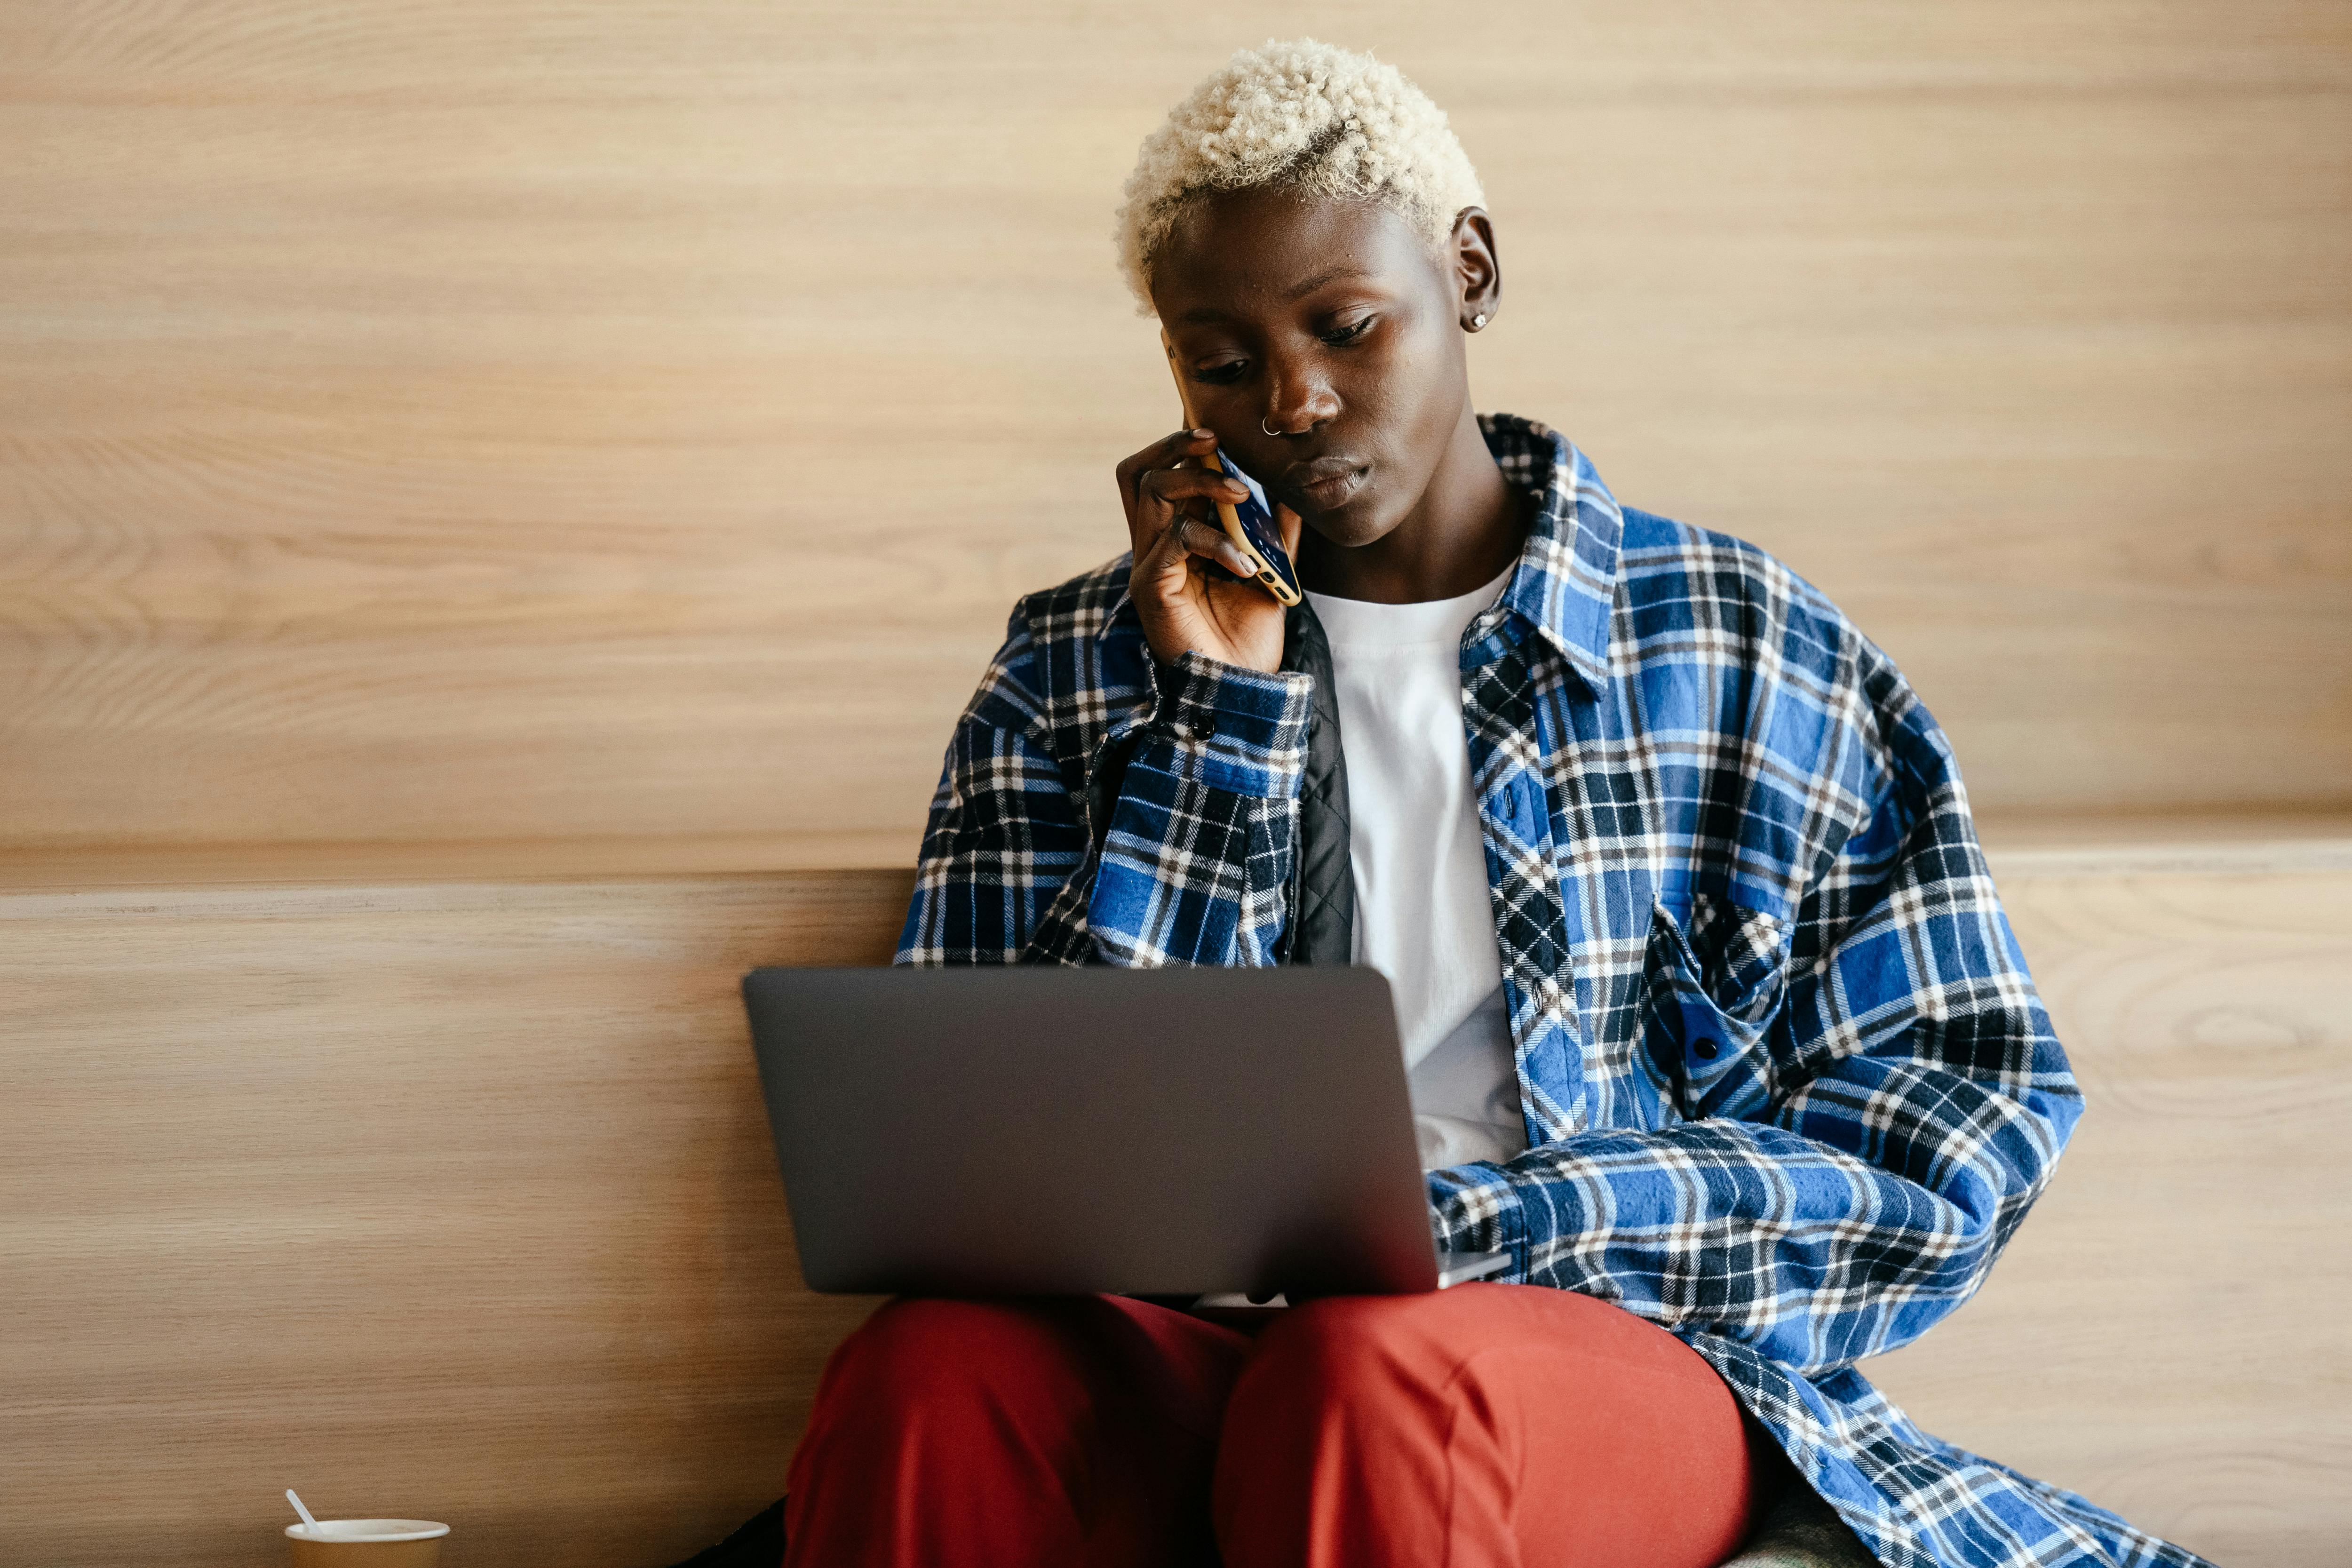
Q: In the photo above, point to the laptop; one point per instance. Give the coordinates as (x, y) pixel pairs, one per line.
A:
(1025, 1130)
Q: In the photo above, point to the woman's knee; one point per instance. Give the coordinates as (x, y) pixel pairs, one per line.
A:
(938, 1353)
(1347, 1336)
(1481, 1415)
(1346, 1352)
(1405, 1358)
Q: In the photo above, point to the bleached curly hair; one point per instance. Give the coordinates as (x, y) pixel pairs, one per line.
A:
(1305, 115)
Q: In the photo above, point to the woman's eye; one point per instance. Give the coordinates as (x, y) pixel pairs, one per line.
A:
(1350, 331)
(1221, 375)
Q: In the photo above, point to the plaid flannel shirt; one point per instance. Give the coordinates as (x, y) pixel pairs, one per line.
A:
(1787, 1082)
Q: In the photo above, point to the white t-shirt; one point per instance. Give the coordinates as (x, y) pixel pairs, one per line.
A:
(1424, 916)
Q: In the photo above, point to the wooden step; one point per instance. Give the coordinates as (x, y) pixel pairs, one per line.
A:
(451, 1200)
(451, 1196)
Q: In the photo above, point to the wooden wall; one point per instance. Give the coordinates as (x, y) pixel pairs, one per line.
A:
(433, 419)
(456, 1198)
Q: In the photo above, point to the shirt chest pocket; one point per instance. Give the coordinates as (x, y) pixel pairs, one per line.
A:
(1714, 976)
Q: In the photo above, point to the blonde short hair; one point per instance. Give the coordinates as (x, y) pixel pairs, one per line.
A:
(1303, 115)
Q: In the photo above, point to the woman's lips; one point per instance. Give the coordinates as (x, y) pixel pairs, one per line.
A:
(1326, 485)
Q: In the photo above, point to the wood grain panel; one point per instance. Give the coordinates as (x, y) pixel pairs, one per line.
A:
(453, 1200)
(454, 1197)
(551, 418)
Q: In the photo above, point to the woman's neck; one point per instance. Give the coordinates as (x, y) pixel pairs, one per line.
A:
(1469, 524)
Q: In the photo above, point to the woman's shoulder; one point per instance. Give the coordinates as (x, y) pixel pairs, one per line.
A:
(1078, 609)
(1690, 597)
(1070, 660)
(1676, 580)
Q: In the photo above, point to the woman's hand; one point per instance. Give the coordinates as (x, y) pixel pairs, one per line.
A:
(1170, 493)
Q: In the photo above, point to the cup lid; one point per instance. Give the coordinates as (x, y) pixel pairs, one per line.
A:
(369, 1530)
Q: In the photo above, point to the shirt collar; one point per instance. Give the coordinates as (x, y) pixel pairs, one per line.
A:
(1566, 583)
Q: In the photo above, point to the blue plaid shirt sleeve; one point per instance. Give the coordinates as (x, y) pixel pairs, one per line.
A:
(1892, 1116)
(1195, 843)
(1003, 833)
(1196, 861)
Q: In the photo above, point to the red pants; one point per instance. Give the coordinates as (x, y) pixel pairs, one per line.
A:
(1484, 1425)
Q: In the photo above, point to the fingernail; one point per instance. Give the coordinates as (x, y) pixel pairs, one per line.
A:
(1250, 565)
(1203, 434)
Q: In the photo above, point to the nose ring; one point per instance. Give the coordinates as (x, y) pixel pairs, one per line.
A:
(1261, 425)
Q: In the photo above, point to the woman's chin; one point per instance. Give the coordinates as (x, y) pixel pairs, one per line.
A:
(1352, 525)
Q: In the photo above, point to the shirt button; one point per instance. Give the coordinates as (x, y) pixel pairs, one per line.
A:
(1705, 1047)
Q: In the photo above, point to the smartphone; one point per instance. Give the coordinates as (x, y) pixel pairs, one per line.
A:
(1249, 524)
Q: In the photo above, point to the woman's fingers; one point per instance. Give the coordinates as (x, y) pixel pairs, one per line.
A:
(1161, 493)
(1165, 453)
(1184, 537)
(1214, 542)
(1173, 484)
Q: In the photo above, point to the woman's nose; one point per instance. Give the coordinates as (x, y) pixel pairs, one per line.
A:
(1297, 405)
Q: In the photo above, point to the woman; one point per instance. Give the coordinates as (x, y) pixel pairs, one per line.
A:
(1713, 1021)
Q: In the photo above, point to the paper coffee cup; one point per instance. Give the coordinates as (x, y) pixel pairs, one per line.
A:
(367, 1543)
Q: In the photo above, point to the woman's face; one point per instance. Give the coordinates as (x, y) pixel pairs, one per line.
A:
(1335, 324)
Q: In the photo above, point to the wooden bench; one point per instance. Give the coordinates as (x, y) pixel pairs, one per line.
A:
(435, 1182)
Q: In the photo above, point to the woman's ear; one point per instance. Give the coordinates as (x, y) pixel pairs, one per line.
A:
(1477, 274)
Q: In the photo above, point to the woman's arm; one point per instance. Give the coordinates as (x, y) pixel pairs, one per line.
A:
(1004, 833)
(1184, 854)
(1198, 826)
(1918, 1103)
(1195, 865)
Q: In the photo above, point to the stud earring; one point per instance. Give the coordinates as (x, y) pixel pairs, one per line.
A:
(1477, 321)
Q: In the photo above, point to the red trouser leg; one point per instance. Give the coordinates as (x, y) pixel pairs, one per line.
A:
(1479, 1427)
(1484, 1427)
(1075, 1432)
